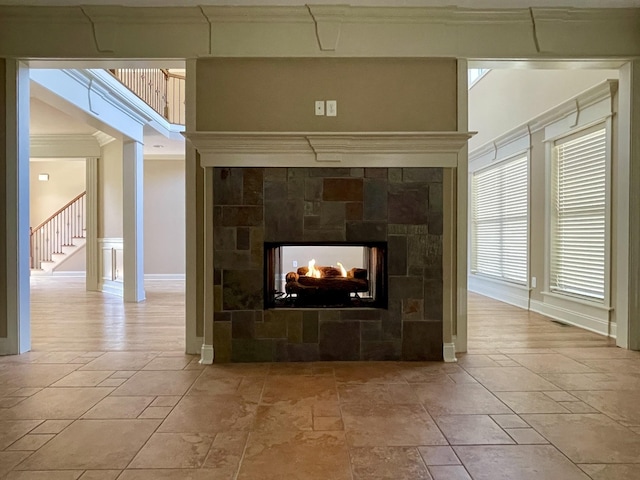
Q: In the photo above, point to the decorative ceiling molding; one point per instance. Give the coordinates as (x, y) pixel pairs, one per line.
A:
(328, 20)
(64, 146)
(103, 138)
(256, 14)
(436, 149)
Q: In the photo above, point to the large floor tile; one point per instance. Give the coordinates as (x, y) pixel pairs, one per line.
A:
(33, 375)
(93, 444)
(223, 459)
(290, 389)
(301, 455)
(612, 472)
(250, 388)
(171, 474)
(58, 403)
(521, 462)
(89, 378)
(284, 417)
(12, 430)
(595, 381)
(119, 407)
(370, 372)
(550, 363)
(173, 450)
(622, 406)
(158, 383)
(588, 438)
(472, 430)
(530, 402)
(458, 399)
(210, 414)
(381, 426)
(120, 361)
(597, 353)
(376, 393)
(510, 379)
(388, 463)
(8, 460)
(45, 475)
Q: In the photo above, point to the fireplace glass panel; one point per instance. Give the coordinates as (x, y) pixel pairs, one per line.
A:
(325, 275)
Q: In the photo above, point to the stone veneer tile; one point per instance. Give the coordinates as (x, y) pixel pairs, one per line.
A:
(339, 340)
(354, 211)
(422, 340)
(310, 327)
(227, 186)
(397, 255)
(375, 199)
(366, 232)
(408, 206)
(342, 189)
(242, 290)
(252, 191)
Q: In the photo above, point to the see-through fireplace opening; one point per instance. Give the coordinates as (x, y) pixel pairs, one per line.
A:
(325, 275)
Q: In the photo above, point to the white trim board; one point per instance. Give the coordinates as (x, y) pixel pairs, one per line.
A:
(516, 295)
(164, 276)
(574, 318)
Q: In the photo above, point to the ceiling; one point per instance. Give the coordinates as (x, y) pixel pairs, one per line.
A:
(377, 3)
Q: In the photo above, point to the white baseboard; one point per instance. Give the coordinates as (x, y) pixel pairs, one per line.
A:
(164, 276)
(207, 355)
(577, 319)
(449, 352)
(57, 273)
(114, 288)
(516, 295)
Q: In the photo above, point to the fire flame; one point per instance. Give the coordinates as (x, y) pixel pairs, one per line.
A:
(342, 270)
(313, 271)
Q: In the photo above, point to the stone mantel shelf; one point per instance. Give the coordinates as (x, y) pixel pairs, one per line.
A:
(348, 149)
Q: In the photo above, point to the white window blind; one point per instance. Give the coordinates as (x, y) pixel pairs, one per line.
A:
(499, 221)
(578, 207)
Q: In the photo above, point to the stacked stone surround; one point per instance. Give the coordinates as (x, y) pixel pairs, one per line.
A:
(400, 206)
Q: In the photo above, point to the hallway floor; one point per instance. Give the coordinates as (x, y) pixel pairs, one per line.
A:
(532, 400)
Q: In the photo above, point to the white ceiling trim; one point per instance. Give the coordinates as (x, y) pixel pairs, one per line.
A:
(64, 146)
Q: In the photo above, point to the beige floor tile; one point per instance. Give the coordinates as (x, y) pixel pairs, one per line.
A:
(462, 377)
(173, 450)
(521, 462)
(303, 455)
(34, 375)
(236, 370)
(12, 430)
(509, 421)
(450, 472)
(466, 360)
(370, 393)
(166, 401)
(210, 414)
(614, 365)
(123, 374)
(8, 460)
(118, 407)
(26, 391)
(387, 463)
(172, 474)
(168, 363)
(578, 407)
(6, 391)
(31, 442)
(597, 353)
(526, 436)
(623, 406)
(322, 424)
(560, 396)
(472, 430)
(371, 372)
(284, 417)
(120, 361)
(595, 381)
(250, 388)
(381, 426)
(439, 455)
(223, 459)
(93, 444)
(45, 475)
(58, 357)
(100, 475)
(612, 472)
(291, 389)
(510, 379)
(52, 426)
(112, 382)
(530, 402)
(158, 383)
(58, 403)
(550, 363)
(82, 379)
(8, 402)
(155, 412)
(588, 438)
(458, 399)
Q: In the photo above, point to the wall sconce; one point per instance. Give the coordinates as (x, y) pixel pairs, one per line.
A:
(43, 177)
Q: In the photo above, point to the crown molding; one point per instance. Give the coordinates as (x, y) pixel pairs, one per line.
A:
(256, 14)
(103, 138)
(410, 149)
(64, 146)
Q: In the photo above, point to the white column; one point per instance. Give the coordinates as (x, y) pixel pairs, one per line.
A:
(627, 234)
(207, 354)
(14, 218)
(91, 225)
(133, 227)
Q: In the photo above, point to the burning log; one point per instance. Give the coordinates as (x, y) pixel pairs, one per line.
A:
(330, 285)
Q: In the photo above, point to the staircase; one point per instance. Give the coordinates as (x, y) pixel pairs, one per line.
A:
(59, 237)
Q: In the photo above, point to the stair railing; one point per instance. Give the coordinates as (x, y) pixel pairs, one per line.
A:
(58, 231)
(160, 89)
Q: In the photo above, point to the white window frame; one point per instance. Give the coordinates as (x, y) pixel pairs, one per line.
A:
(473, 252)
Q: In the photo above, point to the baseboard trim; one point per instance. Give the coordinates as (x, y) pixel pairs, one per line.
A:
(164, 276)
(207, 355)
(56, 273)
(111, 287)
(576, 319)
(449, 352)
(516, 295)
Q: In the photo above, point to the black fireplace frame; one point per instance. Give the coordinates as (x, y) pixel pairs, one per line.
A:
(377, 268)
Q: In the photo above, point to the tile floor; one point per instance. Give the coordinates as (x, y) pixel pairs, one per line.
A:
(548, 411)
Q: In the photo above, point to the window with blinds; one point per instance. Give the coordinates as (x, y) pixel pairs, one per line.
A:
(499, 203)
(578, 210)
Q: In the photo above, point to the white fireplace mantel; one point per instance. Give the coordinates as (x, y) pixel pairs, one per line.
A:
(329, 149)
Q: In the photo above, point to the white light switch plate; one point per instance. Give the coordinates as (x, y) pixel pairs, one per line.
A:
(319, 107)
(332, 108)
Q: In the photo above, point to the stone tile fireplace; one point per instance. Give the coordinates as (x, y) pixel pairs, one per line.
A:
(388, 195)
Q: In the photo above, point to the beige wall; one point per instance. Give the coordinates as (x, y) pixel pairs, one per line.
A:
(505, 99)
(3, 200)
(373, 94)
(67, 179)
(110, 191)
(164, 217)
